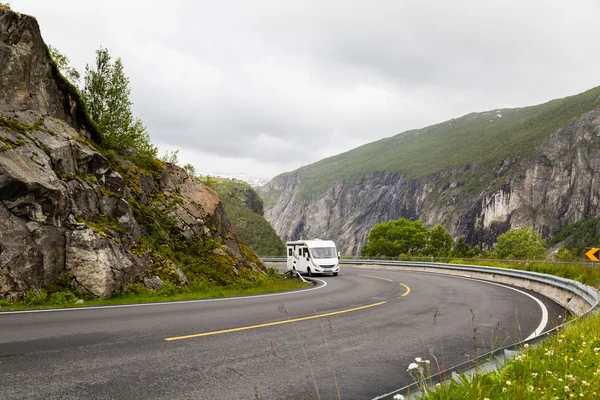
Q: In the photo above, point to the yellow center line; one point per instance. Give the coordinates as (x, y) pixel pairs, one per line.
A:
(287, 321)
(389, 280)
(407, 290)
(376, 277)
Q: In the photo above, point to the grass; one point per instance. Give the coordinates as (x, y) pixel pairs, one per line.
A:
(136, 293)
(566, 365)
(586, 273)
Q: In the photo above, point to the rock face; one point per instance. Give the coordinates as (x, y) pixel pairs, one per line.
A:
(67, 209)
(556, 187)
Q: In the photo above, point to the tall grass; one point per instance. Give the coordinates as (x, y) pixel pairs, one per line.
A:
(564, 366)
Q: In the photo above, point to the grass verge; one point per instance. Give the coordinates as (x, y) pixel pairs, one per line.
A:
(564, 366)
(136, 293)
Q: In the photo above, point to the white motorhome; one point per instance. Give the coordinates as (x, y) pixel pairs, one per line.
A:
(313, 256)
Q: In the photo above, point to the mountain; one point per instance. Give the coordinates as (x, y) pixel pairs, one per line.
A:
(245, 209)
(479, 176)
(71, 211)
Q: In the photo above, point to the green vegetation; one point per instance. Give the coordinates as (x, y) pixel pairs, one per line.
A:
(405, 238)
(477, 138)
(106, 94)
(245, 209)
(586, 273)
(520, 244)
(566, 365)
(576, 237)
(64, 66)
(61, 296)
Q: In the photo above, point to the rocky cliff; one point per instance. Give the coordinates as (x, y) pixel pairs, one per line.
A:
(70, 209)
(549, 184)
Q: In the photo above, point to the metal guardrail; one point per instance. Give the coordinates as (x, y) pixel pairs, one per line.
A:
(578, 289)
(588, 294)
(494, 359)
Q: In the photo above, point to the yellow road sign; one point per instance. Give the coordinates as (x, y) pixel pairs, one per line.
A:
(592, 253)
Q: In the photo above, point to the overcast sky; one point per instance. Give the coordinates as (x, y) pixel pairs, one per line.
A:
(264, 87)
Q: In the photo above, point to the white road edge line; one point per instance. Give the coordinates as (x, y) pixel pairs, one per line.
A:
(165, 303)
(544, 320)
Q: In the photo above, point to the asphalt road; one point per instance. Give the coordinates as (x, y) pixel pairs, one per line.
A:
(390, 318)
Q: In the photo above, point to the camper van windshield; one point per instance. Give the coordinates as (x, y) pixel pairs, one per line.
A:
(323, 252)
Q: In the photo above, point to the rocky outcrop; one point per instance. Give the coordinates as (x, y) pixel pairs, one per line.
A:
(30, 81)
(554, 188)
(65, 208)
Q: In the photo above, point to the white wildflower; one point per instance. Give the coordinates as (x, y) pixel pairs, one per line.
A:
(398, 397)
(418, 359)
(412, 366)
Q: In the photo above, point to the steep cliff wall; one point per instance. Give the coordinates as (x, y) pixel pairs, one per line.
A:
(548, 188)
(68, 207)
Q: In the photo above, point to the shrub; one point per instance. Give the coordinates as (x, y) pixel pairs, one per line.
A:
(273, 272)
(62, 298)
(35, 297)
(520, 244)
(168, 289)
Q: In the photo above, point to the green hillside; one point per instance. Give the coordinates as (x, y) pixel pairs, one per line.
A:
(245, 209)
(482, 138)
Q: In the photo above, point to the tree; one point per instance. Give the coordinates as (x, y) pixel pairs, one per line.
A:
(461, 248)
(64, 66)
(395, 238)
(439, 242)
(520, 244)
(106, 93)
(189, 168)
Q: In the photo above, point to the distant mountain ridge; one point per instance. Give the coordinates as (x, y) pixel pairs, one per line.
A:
(478, 175)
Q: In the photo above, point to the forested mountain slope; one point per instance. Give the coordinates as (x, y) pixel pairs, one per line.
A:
(478, 175)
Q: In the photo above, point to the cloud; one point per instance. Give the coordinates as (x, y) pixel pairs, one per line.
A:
(264, 87)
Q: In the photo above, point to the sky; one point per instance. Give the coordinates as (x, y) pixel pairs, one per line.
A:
(262, 87)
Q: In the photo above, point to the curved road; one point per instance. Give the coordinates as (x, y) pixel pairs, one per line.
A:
(372, 324)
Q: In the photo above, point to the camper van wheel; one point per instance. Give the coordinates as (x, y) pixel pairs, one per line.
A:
(335, 274)
(309, 272)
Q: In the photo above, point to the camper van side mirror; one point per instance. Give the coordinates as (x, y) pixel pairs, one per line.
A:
(339, 255)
